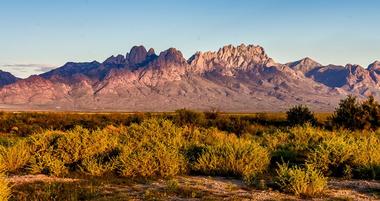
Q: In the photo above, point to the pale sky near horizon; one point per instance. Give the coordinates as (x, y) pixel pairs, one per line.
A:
(40, 34)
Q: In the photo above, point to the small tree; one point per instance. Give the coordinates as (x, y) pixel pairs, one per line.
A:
(349, 114)
(371, 113)
(353, 115)
(299, 115)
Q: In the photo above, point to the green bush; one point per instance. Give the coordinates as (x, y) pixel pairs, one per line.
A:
(306, 181)
(151, 149)
(300, 115)
(231, 156)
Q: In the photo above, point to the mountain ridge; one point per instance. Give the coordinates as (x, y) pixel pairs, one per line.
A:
(239, 78)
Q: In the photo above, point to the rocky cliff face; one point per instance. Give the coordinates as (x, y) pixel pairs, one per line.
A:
(230, 59)
(234, 78)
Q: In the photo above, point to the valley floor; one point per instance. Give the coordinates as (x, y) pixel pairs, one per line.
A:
(42, 187)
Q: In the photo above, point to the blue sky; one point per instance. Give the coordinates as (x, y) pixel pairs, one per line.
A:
(37, 35)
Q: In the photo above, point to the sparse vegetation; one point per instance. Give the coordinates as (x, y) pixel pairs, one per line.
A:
(248, 147)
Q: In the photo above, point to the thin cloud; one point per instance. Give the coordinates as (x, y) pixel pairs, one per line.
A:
(25, 70)
(36, 67)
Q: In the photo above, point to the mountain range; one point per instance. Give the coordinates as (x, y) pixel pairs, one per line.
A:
(235, 78)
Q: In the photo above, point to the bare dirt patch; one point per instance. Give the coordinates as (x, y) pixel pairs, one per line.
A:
(196, 188)
(25, 179)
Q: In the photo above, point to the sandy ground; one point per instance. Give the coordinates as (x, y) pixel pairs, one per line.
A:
(25, 179)
(213, 188)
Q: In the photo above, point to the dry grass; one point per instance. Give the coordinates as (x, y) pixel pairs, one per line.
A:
(14, 157)
(5, 190)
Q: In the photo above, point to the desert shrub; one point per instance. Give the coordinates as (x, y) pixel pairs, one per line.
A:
(332, 156)
(151, 149)
(366, 156)
(47, 164)
(5, 190)
(306, 181)
(256, 130)
(14, 157)
(348, 154)
(306, 136)
(299, 115)
(231, 156)
(97, 165)
(55, 151)
(184, 117)
(232, 124)
(274, 140)
(293, 145)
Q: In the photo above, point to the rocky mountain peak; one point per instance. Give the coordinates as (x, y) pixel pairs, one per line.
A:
(375, 66)
(171, 55)
(137, 55)
(119, 59)
(304, 65)
(151, 52)
(250, 52)
(230, 58)
(354, 68)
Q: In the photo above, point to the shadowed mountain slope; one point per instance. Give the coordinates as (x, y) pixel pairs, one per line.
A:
(7, 78)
